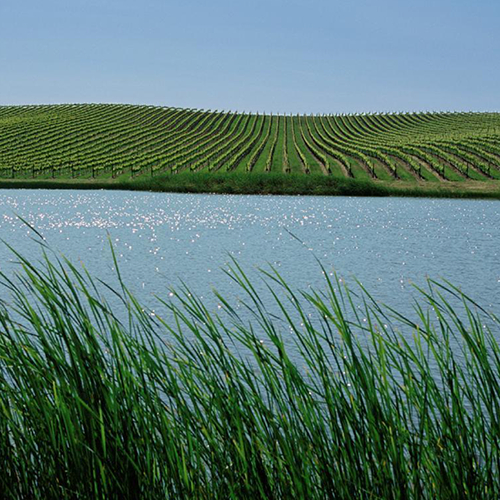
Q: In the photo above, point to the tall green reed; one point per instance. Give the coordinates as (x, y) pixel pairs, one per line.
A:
(101, 403)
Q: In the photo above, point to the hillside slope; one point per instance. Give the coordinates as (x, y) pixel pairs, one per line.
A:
(105, 140)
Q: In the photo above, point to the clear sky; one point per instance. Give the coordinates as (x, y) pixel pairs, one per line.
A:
(282, 56)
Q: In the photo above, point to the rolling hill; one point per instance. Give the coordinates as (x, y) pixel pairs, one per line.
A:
(104, 141)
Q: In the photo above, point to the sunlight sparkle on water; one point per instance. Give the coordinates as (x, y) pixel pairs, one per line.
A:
(160, 239)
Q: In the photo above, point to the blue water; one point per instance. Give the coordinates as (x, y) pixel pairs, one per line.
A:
(161, 239)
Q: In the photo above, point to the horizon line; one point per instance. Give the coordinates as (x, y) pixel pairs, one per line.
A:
(271, 113)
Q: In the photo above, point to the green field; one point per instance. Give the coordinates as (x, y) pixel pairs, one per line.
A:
(107, 142)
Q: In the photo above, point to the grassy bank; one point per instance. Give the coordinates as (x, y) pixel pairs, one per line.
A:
(269, 183)
(211, 406)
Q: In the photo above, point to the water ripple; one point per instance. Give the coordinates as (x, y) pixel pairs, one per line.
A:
(388, 244)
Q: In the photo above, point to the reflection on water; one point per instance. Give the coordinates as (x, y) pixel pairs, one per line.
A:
(160, 239)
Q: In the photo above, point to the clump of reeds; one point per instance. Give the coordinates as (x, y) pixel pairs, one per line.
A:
(204, 405)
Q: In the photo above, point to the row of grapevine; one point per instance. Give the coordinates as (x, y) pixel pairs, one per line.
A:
(98, 140)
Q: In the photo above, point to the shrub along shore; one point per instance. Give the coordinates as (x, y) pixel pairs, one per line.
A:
(269, 183)
(202, 405)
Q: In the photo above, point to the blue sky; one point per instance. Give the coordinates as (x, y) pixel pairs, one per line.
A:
(293, 56)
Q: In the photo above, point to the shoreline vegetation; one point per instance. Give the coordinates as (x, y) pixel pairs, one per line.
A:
(264, 184)
(325, 400)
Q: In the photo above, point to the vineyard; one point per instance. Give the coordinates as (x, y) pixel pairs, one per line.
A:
(116, 141)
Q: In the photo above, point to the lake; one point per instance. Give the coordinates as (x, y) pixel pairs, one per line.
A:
(161, 239)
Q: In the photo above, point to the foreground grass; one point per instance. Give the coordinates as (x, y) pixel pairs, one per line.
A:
(267, 183)
(213, 406)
